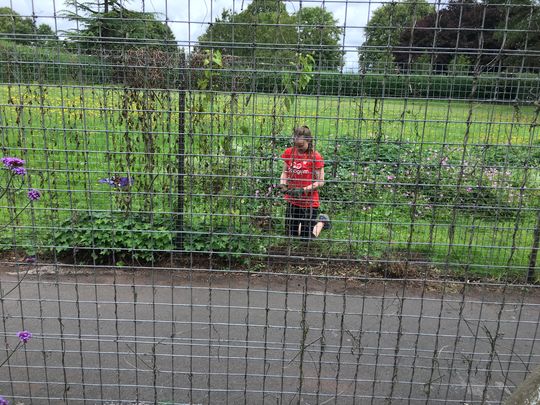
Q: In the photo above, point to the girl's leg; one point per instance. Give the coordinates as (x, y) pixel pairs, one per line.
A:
(292, 223)
(323, 222)
(317, 229)
(306, 223)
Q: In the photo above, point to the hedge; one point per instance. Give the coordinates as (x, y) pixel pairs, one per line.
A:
(55, 65)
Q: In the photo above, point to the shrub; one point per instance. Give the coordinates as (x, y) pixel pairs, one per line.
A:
(228, 243)
(111, 237)
(517, 156)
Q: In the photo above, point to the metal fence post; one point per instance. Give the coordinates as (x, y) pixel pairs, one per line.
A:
(181, 152)
(534, 251)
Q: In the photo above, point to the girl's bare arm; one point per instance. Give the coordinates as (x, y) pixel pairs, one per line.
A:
(319, 180)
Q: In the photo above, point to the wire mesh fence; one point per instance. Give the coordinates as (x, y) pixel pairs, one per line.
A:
(269, 202)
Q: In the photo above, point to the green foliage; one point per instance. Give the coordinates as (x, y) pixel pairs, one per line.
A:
(6, 242)
(488, 87)
(117, 28)
(519, 31)
(109, 237)
(86, 69)
(463, 25)
(508, 156)
(298, 83)
(265, 23)
(235, 244)
(276, 35)
(319, 36)
(422, 65)
(383, 31)
(372, 170)
(27, 64)
(210, 79)
(24, 30)
(460, 65)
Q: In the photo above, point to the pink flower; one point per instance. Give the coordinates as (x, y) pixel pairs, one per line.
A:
(390, 178)
(469, 189)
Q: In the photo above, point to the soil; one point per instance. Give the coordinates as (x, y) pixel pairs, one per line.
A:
(394, 273)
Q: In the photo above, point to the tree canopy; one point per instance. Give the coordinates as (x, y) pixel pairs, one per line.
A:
(110, 25)
(319, 35)
(23, 30)
(489, 34)
(267, 33)
(384, 28)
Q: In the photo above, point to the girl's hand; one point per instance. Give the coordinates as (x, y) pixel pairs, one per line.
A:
(295, 192)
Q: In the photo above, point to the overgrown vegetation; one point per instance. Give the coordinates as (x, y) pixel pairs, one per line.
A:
(401, 177)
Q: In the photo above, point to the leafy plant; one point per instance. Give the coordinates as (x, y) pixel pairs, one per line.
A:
(511, 156)
(236, 244)
(110, 237)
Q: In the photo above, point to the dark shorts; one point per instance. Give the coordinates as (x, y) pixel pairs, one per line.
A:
(307, 217)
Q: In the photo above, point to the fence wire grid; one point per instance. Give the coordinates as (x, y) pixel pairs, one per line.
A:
(306, 202)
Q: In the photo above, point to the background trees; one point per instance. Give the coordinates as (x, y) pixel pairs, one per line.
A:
(412, 36)
(267, 33)
(23, 30)
(383, 31)
(401, 36)
(319, 35)
(464, 28)
(490, 35)
(110, 25)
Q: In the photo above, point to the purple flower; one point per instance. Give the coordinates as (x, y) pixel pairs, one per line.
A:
(3, 401)
(469, 189)
(117, 181)
(33, 194)
(19, 171)
(106, 181)
(124, 182)
(24, 336)
(15, 165)
(390, 178)
(11, 162)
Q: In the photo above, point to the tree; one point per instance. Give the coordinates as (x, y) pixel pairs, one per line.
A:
(384, 28)
(265, 31)
(115, 27)
(319, 35)
(521, 33)
(486, 33)
(23, 30)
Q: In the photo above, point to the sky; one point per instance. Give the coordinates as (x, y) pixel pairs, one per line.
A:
(189, 19)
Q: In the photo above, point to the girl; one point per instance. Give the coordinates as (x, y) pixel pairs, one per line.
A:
(302, 176)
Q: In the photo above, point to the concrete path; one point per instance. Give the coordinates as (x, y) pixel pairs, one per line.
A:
(176, 337)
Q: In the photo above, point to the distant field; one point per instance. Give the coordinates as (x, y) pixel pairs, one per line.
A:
(399, 172)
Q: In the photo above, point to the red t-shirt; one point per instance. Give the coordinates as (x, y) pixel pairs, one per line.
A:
(301, 173)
